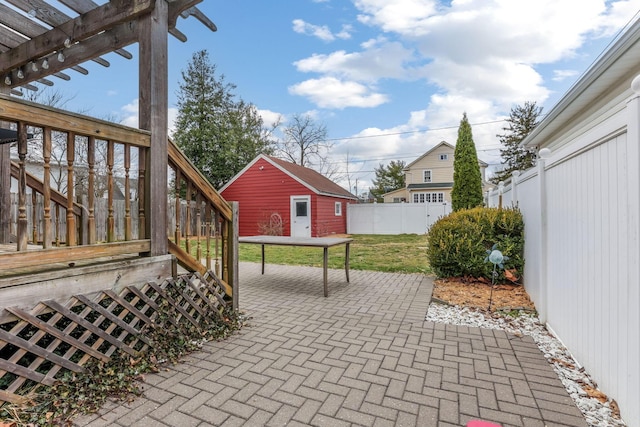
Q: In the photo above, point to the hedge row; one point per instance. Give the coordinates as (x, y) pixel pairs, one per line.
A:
(458, 243)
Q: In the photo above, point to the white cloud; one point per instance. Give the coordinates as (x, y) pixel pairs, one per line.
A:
(270, 117)
(560, 75)
(617, 16)
(378, 61)
(130, 115)
(482, 56)
(396, 15)
(329, 92)
(130, 111)
(322, 32)
(173, 115)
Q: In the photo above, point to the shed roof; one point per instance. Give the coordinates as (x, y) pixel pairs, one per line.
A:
(311, 179)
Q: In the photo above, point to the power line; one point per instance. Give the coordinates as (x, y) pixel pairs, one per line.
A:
(412, 131)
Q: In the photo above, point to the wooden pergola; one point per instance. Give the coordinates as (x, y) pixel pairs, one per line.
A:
(63, 263)
(39, 43)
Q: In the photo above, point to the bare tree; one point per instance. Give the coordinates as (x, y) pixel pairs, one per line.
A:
(305, 143)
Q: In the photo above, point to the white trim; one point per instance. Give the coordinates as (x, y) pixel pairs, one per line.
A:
(615, 64)
(337, 209)
(292, 213)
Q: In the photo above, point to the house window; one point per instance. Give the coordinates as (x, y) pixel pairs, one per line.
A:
(444, 157)
(338, 209)
(428, 197)
(426, 176)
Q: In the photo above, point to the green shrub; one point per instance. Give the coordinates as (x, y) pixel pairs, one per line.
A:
(458, 243)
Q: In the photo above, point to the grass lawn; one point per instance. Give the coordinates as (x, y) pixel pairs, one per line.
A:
(405, 253)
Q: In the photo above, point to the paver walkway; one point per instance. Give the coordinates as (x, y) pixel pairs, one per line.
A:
(364, 356)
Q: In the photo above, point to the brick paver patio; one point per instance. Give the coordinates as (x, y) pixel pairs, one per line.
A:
(364, 356)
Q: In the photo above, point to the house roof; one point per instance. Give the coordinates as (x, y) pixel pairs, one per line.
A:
(429, 185)
(393, 192)
(311, 179)
(36, 32)
(433, 149)
(618, 63)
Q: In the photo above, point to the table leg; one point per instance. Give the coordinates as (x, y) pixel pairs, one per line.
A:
(346, 261)
(262, 259)
(324, 271)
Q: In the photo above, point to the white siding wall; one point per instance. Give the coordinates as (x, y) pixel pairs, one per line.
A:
(588, 291)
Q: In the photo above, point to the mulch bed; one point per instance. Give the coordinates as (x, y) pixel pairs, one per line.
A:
(472, 292)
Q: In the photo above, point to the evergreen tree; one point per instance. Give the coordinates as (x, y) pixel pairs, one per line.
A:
(521, 121)
(217, 132)
(388, 178)
(467, 180)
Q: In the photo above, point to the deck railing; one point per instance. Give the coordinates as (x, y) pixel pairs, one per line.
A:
(210, 236)
(63, 164)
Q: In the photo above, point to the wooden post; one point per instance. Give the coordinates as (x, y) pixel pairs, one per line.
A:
(34, 217)
(111, 227)
(5, 186)
(199, 227)
(71, 220)
(153, 104)
(46, 180)
(178, 206)
(22, 188)
(142, 173)
(234, 258)
(127, 193)
(208, 212)
(5, 194)
(91, 160)
(187, 225)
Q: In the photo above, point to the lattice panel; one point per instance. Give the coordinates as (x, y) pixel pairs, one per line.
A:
(53, 338)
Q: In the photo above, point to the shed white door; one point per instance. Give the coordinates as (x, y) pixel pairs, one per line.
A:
(301, 216)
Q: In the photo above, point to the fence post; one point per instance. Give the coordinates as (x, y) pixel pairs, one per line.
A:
(633, 212)
(235, 256)
(544, 245)
(514, 188)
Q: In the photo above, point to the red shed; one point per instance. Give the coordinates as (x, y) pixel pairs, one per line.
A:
(282, 198)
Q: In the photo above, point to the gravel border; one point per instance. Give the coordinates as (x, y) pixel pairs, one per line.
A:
(573, 377)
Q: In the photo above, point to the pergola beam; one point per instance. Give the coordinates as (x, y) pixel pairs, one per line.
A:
(76, 30)
(115, 38)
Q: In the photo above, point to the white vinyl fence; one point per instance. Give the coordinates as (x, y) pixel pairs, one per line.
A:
(394, 218)
(582, 250)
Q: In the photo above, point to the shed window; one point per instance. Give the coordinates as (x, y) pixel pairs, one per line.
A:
(301, 209)
(338, 209)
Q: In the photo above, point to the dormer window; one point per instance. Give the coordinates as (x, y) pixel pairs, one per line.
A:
(426, 176)
(444, 157)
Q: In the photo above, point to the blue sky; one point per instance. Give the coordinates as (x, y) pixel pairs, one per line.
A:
(388, 78)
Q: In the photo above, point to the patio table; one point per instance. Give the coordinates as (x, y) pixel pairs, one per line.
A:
(318, 242)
